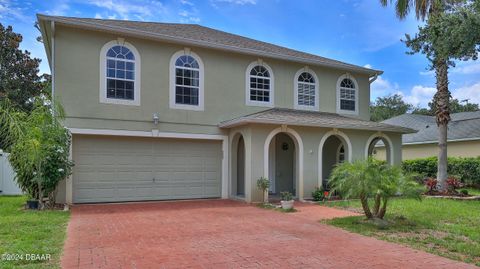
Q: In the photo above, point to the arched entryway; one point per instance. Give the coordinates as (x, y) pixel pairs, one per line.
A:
(238, 166)
(334, 148)
(379, 140)
(283, 161)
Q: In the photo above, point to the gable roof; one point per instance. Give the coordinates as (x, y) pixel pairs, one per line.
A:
(311, 119)
(197, 35)
(463, 126)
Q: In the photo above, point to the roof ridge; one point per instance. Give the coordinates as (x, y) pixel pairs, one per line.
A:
(217, 39)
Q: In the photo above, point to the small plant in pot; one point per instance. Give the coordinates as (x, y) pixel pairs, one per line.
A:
(287, 200)
(32, 203)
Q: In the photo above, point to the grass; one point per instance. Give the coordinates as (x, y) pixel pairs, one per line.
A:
(444, 227)
(30, 232)
(472, 191)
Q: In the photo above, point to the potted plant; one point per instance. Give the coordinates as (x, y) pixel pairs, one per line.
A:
(263, 184)
(32, 203)
(287, 200)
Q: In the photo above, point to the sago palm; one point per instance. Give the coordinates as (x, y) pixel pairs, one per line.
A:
(429, 9)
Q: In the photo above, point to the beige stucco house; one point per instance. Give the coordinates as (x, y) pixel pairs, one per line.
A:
(179, 111)
(463, 136)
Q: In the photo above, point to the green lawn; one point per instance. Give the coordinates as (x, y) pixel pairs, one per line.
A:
(444, 227)
(30, 232)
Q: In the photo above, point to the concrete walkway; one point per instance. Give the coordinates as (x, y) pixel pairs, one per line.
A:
(226, 234)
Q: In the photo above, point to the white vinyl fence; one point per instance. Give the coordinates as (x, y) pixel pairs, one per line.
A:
(8, 186)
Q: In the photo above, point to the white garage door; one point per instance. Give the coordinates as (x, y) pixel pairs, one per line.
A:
(114, 169)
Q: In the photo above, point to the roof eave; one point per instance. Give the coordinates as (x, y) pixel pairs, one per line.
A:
(240, 122)
(172, 39)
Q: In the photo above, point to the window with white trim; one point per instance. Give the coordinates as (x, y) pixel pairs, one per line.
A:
(120, 73)
(347, 95)
(306, 89)
(260, 84)
(187, 81)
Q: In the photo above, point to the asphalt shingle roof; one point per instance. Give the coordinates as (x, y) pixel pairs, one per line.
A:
(464, 126)
(199, 35)
(311, 119)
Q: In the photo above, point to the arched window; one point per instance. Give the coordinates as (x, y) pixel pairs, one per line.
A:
(347, 95)
(186, 88)
(306, 90)
(341, 154)
(119, 74)
(259, 84)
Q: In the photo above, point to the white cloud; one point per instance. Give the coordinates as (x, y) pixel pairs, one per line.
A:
(368, 66)
(419, 95)
(185, 2)
(142, 10)
(237, 2)
(467, 68)
(9, 10)
(59, 9)
(382, 87)
(471, 92)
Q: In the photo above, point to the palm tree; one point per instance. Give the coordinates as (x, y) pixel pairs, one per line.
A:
(428, 9)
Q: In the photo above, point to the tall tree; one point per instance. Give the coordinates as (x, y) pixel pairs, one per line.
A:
(456, 106)
(450, 33)
(19, 79)
(387, 107)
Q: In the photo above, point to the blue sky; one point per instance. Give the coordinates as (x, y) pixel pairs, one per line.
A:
(355, 31)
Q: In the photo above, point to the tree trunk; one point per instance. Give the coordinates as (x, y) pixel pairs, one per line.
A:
(366, 209)
(442, 113)
(382, 211)
(376, 206)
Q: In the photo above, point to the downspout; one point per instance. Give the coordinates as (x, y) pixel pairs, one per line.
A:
(52, 69)
(373, 79)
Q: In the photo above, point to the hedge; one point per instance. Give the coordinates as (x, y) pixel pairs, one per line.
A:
(466, 169)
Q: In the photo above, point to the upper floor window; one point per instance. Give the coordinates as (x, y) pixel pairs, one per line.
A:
(119, 74)
(259, 84)
(186, 81)
(347, 95)
(306, 90)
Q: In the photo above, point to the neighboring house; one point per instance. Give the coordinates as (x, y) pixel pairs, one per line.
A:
(8, 184)
(178, 111)
(463, 136)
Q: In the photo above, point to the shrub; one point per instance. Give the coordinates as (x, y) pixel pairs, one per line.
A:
(466, 169)
(318, 194)
(464, 192)
(453, 183)
(370, 179)
(40, 153)
(286, 196)
(431, 184)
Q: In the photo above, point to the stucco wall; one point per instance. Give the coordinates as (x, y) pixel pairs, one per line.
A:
(455, 149)
(77, 63)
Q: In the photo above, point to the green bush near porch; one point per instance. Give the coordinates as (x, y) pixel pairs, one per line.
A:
(30, 232)
(444, 227)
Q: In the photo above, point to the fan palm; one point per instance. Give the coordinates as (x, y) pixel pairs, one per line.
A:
(428, 9)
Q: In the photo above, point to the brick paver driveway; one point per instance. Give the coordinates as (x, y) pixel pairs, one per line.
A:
(225, 234)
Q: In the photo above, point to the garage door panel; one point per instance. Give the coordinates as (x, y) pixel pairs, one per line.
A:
(109, 169)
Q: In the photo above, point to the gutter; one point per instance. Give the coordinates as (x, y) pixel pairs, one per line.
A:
(205, 44)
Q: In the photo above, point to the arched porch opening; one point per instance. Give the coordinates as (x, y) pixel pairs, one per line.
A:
(379, 141)
(237, 188)
(335, 147)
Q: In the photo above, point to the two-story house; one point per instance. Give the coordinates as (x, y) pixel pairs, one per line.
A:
(179, 111)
